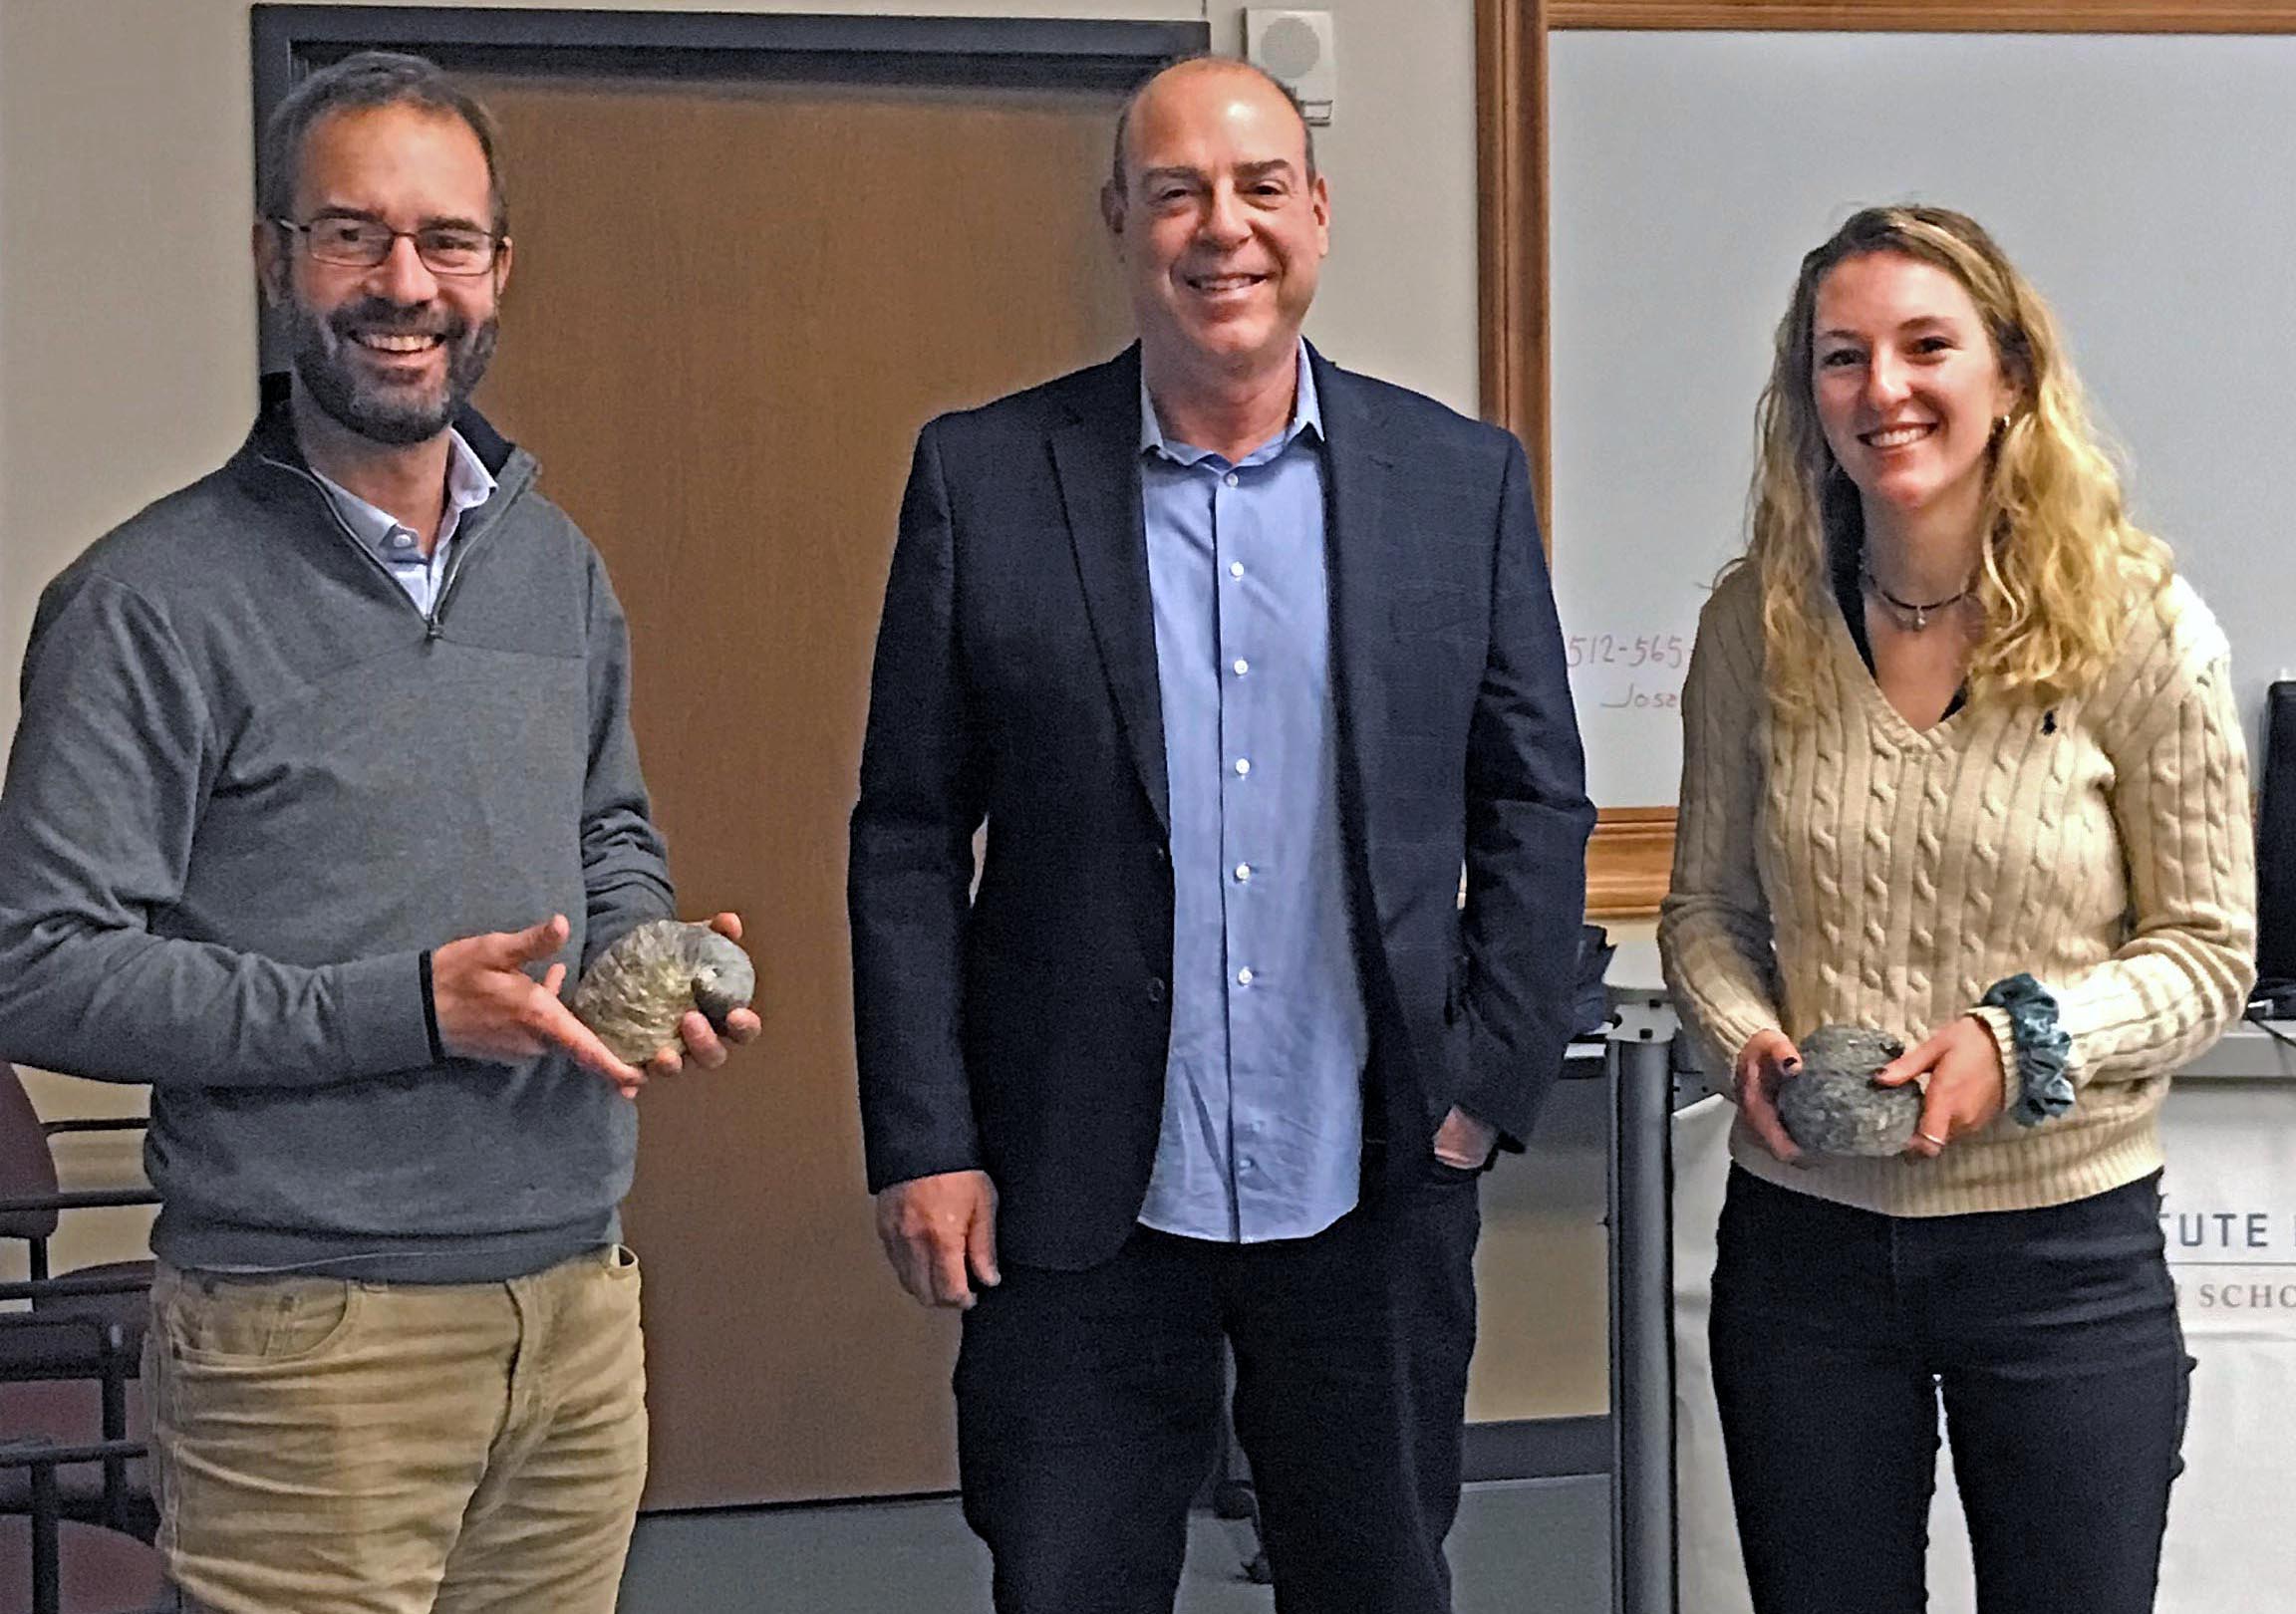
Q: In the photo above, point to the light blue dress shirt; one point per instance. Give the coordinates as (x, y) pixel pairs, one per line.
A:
(1262, 1131)
(468, 486)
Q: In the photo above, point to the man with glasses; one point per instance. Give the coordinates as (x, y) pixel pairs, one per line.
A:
(321, 760)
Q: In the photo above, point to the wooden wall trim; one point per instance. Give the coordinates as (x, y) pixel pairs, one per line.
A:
(1632, 851)
(1628, 862)
(1936, 16)
(1511, 227)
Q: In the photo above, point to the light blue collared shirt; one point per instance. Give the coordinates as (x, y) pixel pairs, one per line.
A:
(468, 484)
(1262, 1133)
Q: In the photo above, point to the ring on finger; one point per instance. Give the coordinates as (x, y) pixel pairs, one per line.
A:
(1930, 1138)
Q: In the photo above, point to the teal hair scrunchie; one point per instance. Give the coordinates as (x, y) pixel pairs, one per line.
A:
(2045, 1088)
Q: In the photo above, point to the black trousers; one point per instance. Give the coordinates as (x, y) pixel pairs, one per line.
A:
(2052, 1336)
(1089, 1406)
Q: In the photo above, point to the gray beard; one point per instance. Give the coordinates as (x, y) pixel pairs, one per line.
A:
(384, 414)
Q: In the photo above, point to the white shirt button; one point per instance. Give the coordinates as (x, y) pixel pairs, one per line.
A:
(1243, 872)
(1235, 568)
(1243, 767)
(401, 540)
(1229, 479)
(1244, 977)
(1242, 666)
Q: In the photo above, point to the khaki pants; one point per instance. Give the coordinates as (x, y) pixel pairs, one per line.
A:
(328, 1447)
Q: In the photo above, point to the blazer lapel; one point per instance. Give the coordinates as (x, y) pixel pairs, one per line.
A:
(1096, 456)
(1364, 559)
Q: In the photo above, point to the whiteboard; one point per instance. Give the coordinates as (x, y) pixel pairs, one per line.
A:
(2145, 184)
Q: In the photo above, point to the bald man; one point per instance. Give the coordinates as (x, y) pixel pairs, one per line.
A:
(1238, 656)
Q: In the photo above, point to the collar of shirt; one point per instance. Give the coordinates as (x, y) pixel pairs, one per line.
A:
(468, 484)
(1306, 412)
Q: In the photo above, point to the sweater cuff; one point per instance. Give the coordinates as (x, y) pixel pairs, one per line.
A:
(382, 1014)
(430, 1011)
(1721, 1037)
(1996, 1020)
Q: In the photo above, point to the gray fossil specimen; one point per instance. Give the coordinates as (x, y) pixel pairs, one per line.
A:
(1832, 1106)
(634, 995)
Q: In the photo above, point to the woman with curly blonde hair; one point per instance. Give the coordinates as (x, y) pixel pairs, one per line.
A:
(1961, 766)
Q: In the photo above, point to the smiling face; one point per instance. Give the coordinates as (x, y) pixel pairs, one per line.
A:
(392, 351)
(1220, 227)
(1908, 385)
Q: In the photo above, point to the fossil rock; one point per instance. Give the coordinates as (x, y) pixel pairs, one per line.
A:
(635, 995)
(1833, 1107)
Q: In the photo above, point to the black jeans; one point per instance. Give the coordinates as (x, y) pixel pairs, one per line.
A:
(2053, 1338)
(1088, 1405)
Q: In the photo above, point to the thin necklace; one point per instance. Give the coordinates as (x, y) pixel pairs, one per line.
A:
(1908, 614)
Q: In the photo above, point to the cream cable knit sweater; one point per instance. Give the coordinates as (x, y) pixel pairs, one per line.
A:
(1850, 868)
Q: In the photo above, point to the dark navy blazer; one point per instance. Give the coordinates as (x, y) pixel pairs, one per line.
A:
(1021, 1028)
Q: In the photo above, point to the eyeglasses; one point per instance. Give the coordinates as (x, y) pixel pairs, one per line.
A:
(351, 242)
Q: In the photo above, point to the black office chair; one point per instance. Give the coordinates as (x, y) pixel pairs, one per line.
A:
(32, 1201)
(81, 1340)
(67, 1566)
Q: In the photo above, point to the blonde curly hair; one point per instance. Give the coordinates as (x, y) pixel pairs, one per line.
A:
(2061, 566)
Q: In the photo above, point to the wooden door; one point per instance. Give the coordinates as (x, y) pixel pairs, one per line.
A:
(732, 307)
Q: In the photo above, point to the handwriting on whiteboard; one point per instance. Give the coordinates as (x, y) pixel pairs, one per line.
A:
(1637, 696)
(1628, 673)
(1657, 652)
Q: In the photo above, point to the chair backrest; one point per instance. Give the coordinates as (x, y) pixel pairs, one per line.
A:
(99, 1570)
(27, 1169)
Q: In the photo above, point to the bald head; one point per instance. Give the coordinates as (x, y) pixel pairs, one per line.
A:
(1219, 222)
(1192, 67)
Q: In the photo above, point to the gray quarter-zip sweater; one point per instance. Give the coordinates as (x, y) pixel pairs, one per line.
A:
(252, 786)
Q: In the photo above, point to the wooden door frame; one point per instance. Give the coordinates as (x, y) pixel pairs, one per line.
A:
(1633, 852)
(289, 42)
